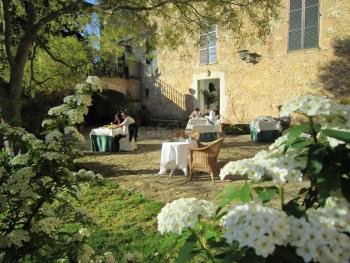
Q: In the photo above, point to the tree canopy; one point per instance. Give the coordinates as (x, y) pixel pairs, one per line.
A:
(42, 41)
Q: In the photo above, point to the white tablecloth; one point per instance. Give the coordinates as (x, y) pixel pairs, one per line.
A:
(206, 128)
(266, 125)
(197, 121)
(175, 155)
(106, 131)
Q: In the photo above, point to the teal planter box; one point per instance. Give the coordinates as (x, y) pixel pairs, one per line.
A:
(208, 137)
(264, 136)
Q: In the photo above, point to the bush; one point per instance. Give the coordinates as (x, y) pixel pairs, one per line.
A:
(38, 184)
(236, 129)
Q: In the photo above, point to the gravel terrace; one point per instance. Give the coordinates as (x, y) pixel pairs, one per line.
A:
(138, 170)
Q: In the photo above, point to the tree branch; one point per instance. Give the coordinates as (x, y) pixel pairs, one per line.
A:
(7, 30)
(54, 58)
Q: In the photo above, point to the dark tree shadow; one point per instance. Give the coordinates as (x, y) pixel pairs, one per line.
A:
(335, 76)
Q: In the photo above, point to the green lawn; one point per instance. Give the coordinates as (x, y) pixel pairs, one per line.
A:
(126, 223)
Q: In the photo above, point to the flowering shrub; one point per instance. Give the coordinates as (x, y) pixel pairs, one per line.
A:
(314, 225)
(37, 184)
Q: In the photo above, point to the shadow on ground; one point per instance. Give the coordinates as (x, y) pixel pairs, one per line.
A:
(138, 170)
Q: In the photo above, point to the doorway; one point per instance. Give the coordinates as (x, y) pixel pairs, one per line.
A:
(209, 94)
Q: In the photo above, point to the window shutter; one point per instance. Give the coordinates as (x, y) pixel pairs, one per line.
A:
(295, 25)
(311, 24)
(212, 55)
(203, 56)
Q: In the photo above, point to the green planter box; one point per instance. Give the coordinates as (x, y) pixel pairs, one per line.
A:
(102, 143)
(264, 136)
(208, 137)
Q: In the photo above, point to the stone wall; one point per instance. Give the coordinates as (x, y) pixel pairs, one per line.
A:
(250, 89)
(129, 87)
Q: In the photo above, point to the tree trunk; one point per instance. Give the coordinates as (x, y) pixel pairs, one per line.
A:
(11, 95)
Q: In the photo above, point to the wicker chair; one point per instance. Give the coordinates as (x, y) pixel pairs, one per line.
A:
(180, 134)
(205, 158)
(193, 134)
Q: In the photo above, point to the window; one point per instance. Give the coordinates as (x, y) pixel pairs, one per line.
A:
(207, 51)
(303, 24)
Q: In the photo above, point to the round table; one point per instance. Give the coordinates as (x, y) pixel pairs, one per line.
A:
(174, 155)
(102, 139)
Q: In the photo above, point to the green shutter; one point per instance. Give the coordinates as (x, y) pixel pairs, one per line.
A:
(311, 24)
(295, 25)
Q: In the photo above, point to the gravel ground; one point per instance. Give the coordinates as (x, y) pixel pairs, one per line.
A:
(138, 170)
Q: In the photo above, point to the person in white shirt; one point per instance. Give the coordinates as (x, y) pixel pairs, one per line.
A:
(129, 126)
(212, 118)
(195, 114)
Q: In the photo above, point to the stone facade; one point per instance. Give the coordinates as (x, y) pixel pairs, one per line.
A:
(246, 89)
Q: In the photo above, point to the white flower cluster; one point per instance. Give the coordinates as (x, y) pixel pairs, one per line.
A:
(47, 225)
(308, 105)
(75, 106)
(322, 237)
(318, 242)
(82, 173)
(70, 130)
(78, 99)
(17, 237)
(335, 214)
(183, 213)
(281, 167)
(53, 136)
(258, 227)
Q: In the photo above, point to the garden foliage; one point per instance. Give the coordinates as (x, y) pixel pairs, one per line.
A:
(311, 227)
(38, 183)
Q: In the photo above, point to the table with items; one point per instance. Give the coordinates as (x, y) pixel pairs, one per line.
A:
(102, 139)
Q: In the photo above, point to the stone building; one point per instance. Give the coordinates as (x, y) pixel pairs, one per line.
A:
(308, 52)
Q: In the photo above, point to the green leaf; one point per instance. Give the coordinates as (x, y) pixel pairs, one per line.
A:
(230, 193)
(296, 130)
(266, 194)
(168, 241)
(185, 253)
(285, 254)
(294, 208)
(340, 135)
(316, 158)
(245, 193)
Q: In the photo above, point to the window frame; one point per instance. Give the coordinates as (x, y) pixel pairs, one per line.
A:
(303, 14)
(207, 47)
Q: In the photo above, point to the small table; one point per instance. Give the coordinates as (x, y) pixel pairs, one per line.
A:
(175, 155)
(208, 132)
(102, 139)
(196, 121)
(265, 130)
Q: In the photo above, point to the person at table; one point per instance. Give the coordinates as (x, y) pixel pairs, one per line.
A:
(212, 118)
(129, 126)
(195, 114)
(118, 119)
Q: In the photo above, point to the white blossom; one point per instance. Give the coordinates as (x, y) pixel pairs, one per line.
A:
(75, 133)
(59, 110)
(308, 105)
(318, 242)
(17, 237)
(255, 226)
(53, 136)
(183, 213)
